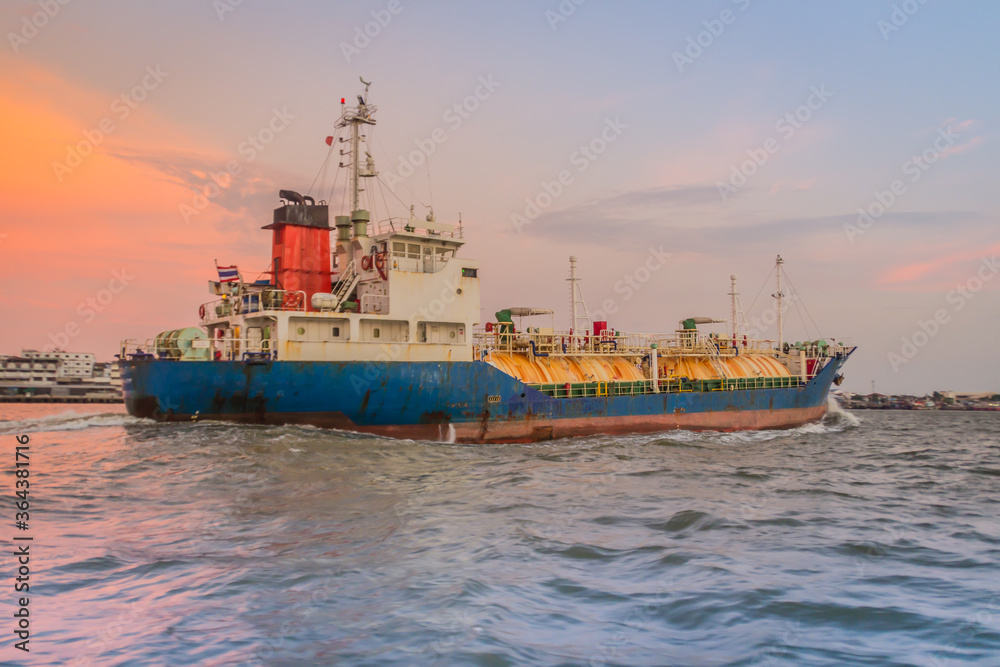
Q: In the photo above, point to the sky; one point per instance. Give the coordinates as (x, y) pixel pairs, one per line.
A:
(667, 145)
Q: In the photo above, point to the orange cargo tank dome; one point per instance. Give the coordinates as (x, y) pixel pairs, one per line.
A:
(549, 370)
(706, 368)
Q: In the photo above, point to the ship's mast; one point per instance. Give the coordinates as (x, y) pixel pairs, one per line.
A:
(575, 300)
(732, 295)
(779, 295)
(355, 118)
(355, 142)
(572, 293)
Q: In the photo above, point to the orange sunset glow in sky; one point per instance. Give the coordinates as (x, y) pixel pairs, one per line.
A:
(143, 143)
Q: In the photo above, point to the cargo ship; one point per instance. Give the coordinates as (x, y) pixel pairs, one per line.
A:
(374, 326)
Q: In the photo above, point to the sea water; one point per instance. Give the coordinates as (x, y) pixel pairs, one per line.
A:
(868, 539)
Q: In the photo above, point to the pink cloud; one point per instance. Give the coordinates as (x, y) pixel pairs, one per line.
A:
(940, 271)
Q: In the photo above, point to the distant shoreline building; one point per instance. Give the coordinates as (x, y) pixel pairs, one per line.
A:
(59, 376)
(945, 400)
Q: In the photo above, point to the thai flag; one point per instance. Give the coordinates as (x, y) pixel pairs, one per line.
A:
(228, 274)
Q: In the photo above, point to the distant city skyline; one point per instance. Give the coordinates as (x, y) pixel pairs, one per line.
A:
(666, 145)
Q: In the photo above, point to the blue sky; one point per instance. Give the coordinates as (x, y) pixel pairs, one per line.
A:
(558, 85)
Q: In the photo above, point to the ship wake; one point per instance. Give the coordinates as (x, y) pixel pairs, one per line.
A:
(69, 421)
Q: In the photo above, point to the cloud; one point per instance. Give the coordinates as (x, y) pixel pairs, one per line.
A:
(939, 271)
(691, 219)
(784, 186)
(960, 129)
(236, 195)
(116, 210)
(972, 143)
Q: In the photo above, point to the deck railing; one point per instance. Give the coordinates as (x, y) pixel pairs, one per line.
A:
(402, 224)
(665, 386)
(541, 342)
(253, 302)
(616, 343)
(226, 348)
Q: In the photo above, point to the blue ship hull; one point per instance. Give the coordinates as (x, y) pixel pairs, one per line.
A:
(461, 401)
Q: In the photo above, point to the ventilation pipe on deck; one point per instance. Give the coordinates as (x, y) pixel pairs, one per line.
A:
(360, 219)
(343, 224)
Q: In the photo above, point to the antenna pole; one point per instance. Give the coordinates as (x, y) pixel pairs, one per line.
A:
(356, 117)
(779, 295)
(576, 300)
(355, 163)
(733, 294)
(572, 294)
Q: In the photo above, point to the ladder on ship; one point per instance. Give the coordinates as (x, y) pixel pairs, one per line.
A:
(348, 281)
(714, 356)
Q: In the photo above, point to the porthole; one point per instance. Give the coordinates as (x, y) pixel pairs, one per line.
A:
(301, 331)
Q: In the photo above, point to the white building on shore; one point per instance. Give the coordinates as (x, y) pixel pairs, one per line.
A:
(58, 374)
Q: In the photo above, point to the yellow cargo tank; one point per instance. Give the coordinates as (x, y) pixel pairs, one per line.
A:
(549, 370)
(702, 368)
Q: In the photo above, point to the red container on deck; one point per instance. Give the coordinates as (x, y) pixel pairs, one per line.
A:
(599, 327)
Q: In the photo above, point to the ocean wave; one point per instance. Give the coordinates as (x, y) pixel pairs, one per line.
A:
(838, 415)
(836, 420)
(69, 421)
